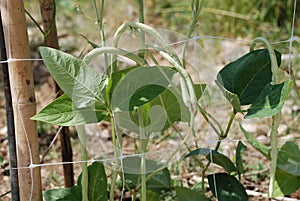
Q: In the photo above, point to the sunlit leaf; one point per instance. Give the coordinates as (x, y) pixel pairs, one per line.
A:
(270, 101)
(82, 84)
(62, 112)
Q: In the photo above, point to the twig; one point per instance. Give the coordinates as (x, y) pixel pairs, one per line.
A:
(52, 142)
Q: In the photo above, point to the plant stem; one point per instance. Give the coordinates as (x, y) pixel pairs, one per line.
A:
(144, 142)
(114, 51)
(222, 136)
(114, 171)
(275, 118)
(84, 179)
(196, 9)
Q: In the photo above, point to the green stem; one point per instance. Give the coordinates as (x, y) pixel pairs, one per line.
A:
(114, 170)
(144, 142)
(115, 51)
(196, 9)
(222, 136)
(275, 118)
(145, 28)
(84, 180)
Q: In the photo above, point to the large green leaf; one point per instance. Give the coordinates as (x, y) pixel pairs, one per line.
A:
(79, 82)
(62, 112)
(289, 158)
(186, 194)
(263, 149)
(132, 172)
(137, 87)
(97, 189)
(226, 188)
(270, 101)
(216, 158)
(285, 183)
(239, 161)
(248, 75)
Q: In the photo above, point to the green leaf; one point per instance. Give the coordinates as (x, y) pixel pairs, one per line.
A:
(62, 112)
(270, 101)
(94, 45)
(114, 80)
(239, 161)
(185, 194)
(247, 76)
(285, 183)
(159, 114)
(66, 194)
(226, 188)
(82, 84)
(135, 89)
(231, 97)
(151, 196)
(289, 158)
(199, 89)
(132, 172)
(97, 189)
(263, 149)
(216, 157)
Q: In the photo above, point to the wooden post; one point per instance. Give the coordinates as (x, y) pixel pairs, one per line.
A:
(23, 99)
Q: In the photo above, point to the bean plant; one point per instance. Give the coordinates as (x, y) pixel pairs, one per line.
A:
(148, 98)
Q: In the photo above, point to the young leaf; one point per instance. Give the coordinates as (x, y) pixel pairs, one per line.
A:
(216, 157)
(97, 190)
(263, 149)
(185, 194)
(79, 82)
(63, 113)
(289, 158)
(135, 89)
(248, 75)
(239, 161)
(285, 183)
(270, 101)
(226, 188)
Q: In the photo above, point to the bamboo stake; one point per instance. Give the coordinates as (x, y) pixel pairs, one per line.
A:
(24, 104)
(9, 120)
(51, 40)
